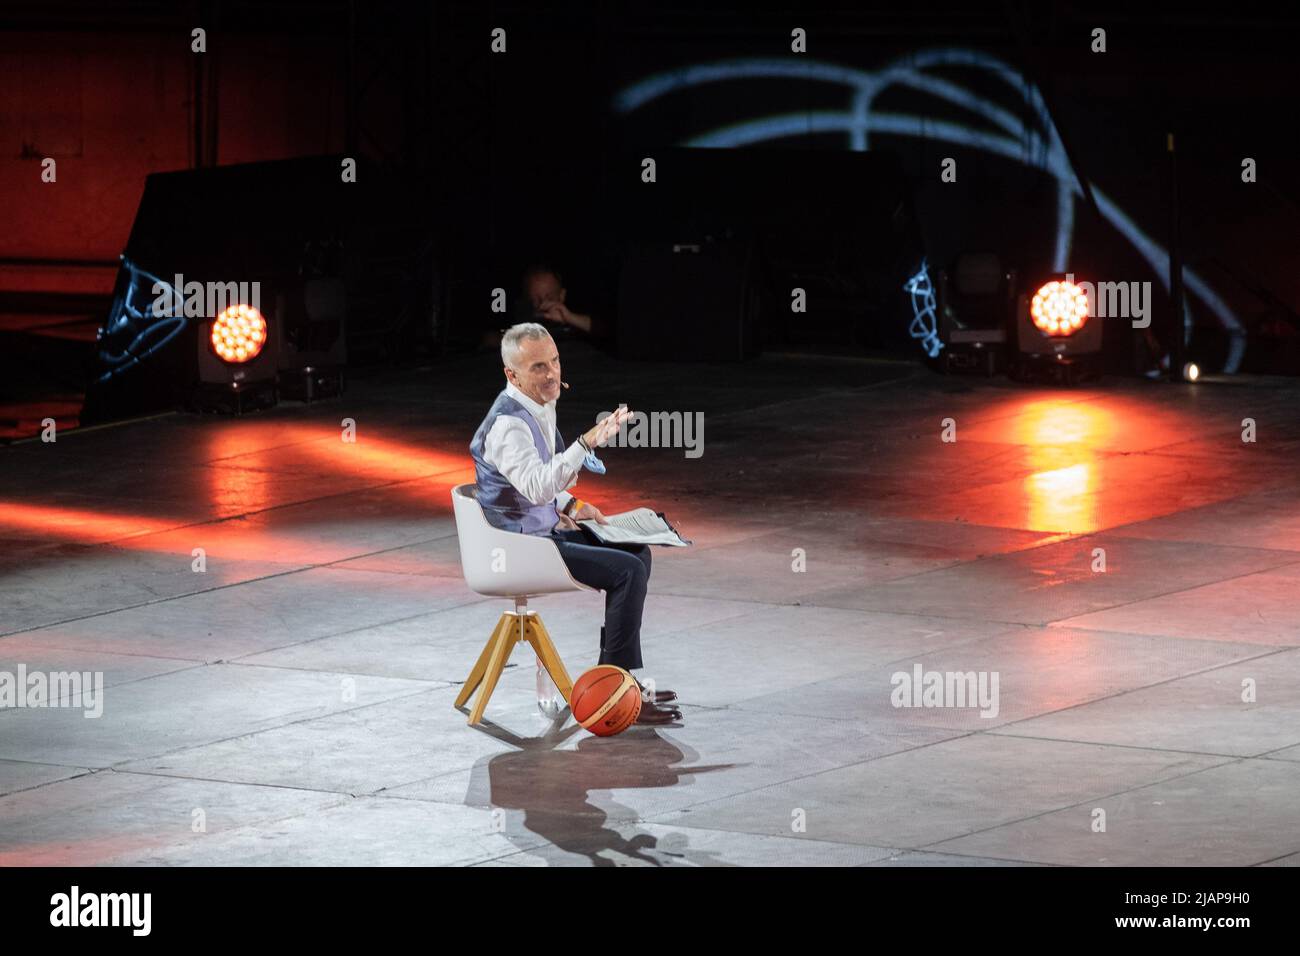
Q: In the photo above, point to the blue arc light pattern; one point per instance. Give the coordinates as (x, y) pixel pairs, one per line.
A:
(133, 321)
(925, 321)
(1039, 148)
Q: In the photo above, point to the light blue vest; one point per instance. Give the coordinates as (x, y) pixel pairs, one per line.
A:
(503, 505)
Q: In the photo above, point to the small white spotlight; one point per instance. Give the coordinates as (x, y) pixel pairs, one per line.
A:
(1191, 372)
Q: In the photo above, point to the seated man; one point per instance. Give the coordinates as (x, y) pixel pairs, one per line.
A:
(544, 298)
(522, 471)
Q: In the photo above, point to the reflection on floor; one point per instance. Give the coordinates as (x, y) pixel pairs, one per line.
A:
(281, 624)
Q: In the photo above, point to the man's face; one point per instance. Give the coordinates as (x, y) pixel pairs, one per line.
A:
(544, 290)
(537, 370)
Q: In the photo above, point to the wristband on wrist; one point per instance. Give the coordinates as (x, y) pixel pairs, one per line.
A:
(582, 440)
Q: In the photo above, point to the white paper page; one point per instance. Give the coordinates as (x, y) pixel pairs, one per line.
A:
(639, 526)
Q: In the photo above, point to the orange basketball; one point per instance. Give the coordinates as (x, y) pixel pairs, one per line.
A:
(606, 700)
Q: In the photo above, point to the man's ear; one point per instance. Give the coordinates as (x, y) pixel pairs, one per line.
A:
(563, 293)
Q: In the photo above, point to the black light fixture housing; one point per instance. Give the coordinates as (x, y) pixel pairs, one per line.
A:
(1057, 338)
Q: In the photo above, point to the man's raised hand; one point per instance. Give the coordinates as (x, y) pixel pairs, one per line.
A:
(556, 312)
(607, 427)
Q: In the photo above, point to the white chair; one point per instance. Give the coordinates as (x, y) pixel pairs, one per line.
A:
(506, 564)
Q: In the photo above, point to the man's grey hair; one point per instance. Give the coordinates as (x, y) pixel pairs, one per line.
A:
(514, 336)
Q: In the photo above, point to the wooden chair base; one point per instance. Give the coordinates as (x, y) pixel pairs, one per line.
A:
(513, 628)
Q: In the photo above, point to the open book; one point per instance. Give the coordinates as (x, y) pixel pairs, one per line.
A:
(640, 526)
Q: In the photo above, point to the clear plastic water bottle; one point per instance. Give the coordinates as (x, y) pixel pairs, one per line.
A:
(549, 699)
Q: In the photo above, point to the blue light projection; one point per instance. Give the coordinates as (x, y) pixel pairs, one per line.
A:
(141, 328)
(925, 324)
(1039, 148)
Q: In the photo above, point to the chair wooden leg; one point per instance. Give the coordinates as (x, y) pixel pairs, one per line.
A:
(548, 655)
(506, 639)
(476, 675)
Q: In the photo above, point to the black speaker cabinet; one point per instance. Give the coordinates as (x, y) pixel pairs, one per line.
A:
(689, 300)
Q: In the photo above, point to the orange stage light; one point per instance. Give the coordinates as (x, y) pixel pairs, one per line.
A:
(239, 333)
(1059, 308)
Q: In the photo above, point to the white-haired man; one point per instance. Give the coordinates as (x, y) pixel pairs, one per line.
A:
(523, 470)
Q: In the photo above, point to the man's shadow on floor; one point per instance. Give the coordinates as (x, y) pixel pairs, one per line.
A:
(552, 788)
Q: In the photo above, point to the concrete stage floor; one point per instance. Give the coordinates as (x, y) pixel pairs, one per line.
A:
(292, 704)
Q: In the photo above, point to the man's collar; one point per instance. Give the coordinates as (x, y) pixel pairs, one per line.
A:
(528, 403)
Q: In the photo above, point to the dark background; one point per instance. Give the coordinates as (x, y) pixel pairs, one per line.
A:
(472, 165)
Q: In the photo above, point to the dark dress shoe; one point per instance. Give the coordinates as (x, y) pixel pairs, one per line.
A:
(661, 696)
(654, 714)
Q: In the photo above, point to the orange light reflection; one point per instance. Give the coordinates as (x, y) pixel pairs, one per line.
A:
(1057, 496)
(417, 475)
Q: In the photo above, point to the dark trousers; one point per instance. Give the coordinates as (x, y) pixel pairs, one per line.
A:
(622, 571)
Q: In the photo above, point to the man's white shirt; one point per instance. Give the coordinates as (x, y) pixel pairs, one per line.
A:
(509, 449)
